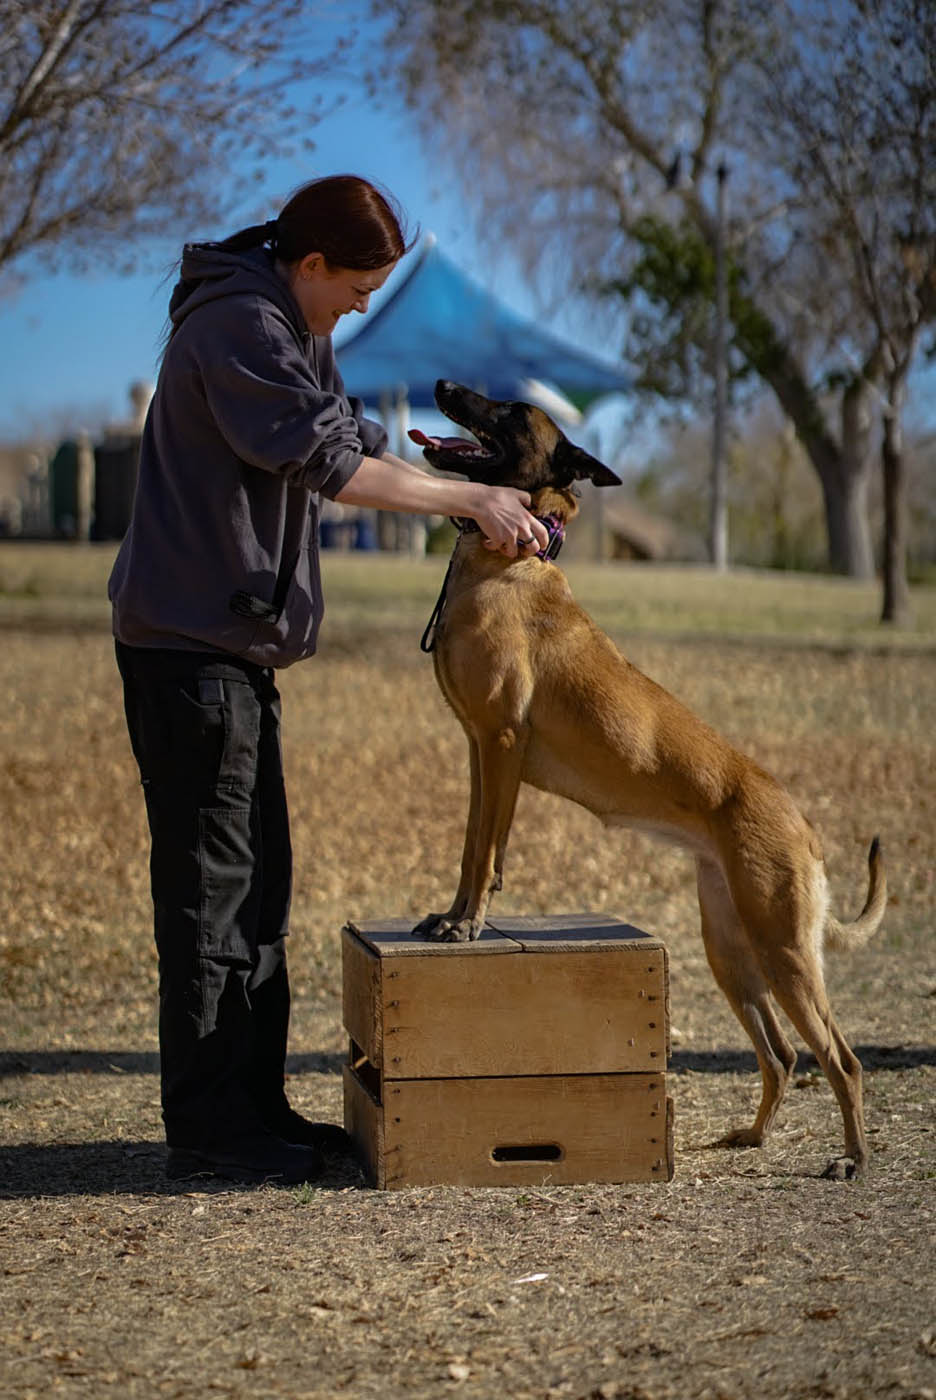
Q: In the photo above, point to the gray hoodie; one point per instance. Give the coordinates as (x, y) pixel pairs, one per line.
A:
(248, 425)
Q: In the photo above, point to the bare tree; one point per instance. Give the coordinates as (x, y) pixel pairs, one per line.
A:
(118, 117)
(567, 121)
(861, 137)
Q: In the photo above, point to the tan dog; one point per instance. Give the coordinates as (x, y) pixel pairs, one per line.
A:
(545, 698)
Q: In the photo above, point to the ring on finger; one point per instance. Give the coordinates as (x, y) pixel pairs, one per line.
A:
(531, 540)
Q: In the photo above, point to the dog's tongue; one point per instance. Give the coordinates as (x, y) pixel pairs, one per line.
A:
(452, 443)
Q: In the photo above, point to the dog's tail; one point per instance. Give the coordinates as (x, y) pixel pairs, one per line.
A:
(843, 937)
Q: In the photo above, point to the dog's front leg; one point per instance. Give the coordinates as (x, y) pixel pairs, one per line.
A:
(497, 759)
(437, 925)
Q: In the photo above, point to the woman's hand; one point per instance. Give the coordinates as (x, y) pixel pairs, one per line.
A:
(504, 519)
(501, 512)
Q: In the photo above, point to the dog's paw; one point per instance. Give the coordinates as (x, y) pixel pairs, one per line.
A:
(844, 1169)
(446, 928)
(740, 1137)
(465, 931)
(431, 926)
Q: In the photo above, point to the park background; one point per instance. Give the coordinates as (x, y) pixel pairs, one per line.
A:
(85, 278)
(747, 1276)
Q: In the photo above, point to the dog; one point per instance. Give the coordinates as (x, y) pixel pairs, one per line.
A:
(546, 698)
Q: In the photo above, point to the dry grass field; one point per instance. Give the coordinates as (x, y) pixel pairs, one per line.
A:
(747, 1276)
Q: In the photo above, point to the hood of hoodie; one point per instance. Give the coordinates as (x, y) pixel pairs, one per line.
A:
(210, 271)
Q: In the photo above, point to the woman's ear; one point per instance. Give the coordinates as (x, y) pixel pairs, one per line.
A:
(309, 265)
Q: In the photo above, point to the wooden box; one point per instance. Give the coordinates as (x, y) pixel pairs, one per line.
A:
(535, 1055)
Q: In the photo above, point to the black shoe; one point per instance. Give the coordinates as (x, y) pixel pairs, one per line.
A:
(268, 1159)
(324, 1137)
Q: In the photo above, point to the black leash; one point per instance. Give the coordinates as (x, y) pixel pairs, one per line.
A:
(428, 639)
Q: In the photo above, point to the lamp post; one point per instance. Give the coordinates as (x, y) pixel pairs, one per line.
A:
(718, 518)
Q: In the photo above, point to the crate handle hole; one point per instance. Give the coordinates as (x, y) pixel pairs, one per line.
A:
(527, 1152)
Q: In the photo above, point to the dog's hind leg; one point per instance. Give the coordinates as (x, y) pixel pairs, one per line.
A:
(738, 973)
(785, 913)
(793, 970)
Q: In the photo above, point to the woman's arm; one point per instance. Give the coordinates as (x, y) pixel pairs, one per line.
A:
(402, 462)
(389, 483)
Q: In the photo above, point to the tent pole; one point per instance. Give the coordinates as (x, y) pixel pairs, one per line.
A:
(385, 521)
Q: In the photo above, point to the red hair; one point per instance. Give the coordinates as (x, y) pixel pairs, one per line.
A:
(350, 221)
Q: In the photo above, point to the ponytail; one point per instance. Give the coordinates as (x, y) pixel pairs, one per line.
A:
(254, 237)
(347, 219)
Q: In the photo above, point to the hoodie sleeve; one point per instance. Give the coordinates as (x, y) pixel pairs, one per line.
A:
(265, 398)
(373, 436)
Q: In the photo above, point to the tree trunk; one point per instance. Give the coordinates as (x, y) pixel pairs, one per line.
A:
(846, 506)
(844, 473)
(843, 467)
(896, 606)
(846, 497)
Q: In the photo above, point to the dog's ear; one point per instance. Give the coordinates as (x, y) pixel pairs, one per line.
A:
(576, 465)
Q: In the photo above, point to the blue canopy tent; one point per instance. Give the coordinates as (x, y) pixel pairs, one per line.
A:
(439, 324)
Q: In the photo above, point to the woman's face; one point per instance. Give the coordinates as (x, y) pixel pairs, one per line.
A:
(325, 293)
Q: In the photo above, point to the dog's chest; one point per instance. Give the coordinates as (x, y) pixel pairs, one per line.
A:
(497, 634)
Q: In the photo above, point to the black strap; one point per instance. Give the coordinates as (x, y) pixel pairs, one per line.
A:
(249, 605)
(246, 604)
(465, 526)
(428, 639)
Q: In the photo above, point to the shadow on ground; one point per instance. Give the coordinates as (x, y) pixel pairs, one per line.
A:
(14, 1062)
(722, 1061)
(873, 1058)
(34, 1170)
(30, 1171)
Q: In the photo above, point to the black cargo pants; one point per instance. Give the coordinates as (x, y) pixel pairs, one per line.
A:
(205, 734)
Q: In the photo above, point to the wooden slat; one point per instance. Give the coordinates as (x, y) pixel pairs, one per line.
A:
(600, 1011)
(364, 1122)
(573, 932)
(362, 1003)
(608, 1128)
(670, 1158)
(393, 938)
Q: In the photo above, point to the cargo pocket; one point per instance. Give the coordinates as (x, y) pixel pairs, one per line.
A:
(238, 765)
(231, 884)
(198, 730)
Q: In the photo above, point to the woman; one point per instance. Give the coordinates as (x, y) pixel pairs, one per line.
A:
(217, 584)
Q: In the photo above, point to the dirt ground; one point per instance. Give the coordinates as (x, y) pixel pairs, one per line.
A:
(746, 1276)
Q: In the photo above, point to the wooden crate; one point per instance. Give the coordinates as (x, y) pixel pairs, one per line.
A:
(536, 1054)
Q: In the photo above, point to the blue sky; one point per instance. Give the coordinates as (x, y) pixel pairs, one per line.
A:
(70, 346)
(74, 343)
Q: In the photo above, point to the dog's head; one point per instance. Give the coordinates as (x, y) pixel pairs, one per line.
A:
(517, 444)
